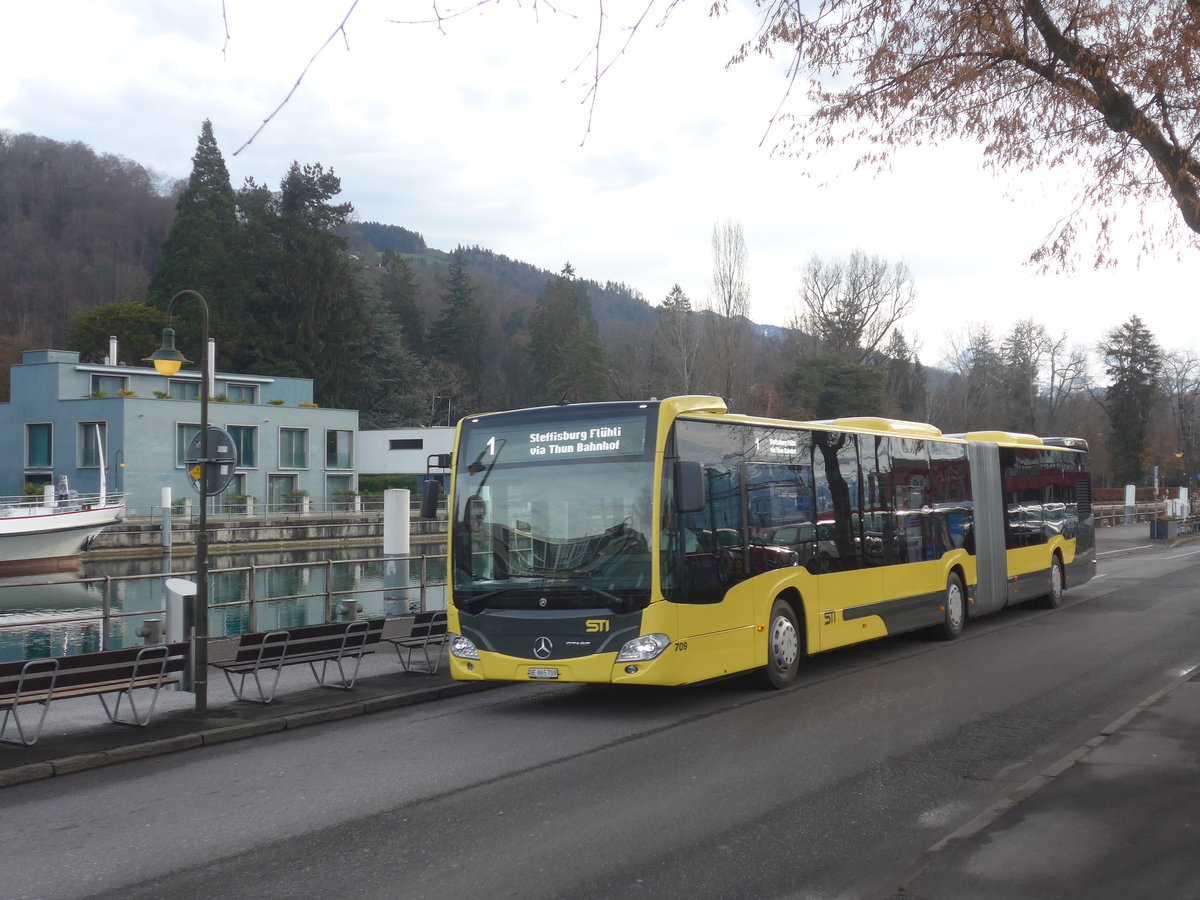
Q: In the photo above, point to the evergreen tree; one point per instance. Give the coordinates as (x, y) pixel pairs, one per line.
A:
(1022, 352)
(828, 387)
(564, 347)
(201, 253)
(398, 291)
(1132, 360)
(975, 397)
(137, 326)
(678, 339)
(309, 311)
(904, 386)
(457, 337)
(388, 393)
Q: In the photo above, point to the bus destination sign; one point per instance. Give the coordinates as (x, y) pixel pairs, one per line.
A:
(564, 439)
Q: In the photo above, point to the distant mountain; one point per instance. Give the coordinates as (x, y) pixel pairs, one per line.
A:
(612, 302)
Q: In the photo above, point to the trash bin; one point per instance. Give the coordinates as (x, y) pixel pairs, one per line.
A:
(1163, 529)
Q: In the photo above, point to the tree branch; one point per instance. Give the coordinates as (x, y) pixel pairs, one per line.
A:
(341, 29)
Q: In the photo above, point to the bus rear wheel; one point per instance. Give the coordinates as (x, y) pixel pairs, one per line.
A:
(954, 610)
(783, 647)
(1053, 599)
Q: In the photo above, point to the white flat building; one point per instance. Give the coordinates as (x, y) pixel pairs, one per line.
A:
(403, 451)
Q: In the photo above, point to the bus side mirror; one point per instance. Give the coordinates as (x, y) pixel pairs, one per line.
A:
(689, 486)
(431, 493)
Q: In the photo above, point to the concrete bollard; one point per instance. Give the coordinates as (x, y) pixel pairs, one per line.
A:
(350, 610)
(397, 545)
(151, 631)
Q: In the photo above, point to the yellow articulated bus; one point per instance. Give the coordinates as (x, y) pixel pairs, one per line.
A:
(672, 542)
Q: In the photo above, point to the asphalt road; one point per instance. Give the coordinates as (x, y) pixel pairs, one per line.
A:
(827, 790)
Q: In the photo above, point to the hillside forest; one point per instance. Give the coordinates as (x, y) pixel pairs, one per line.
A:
(93, 245)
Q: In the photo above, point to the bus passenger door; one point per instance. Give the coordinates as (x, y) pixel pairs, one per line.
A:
(715, 609)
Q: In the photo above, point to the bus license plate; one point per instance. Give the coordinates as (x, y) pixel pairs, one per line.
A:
(543, 673)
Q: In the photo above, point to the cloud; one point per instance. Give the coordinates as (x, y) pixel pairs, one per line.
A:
(486, 132)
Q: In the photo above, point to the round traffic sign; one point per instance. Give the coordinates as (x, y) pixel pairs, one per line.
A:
(222, 460)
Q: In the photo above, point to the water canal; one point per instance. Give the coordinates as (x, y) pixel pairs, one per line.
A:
(104, 602)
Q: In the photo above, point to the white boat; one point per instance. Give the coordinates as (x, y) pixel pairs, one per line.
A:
(47, 533)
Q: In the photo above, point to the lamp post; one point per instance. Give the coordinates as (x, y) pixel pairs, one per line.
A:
(167, 360)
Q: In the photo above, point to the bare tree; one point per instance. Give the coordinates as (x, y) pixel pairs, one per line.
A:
(850, 308)
(1109, 84)
(1180, 382)
(729, 307)
(1065, 381)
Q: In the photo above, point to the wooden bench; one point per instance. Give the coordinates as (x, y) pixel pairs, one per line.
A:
(99, 674)
(332, 642)
(428, 628)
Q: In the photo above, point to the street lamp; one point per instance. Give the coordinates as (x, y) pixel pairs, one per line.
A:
(167, 360)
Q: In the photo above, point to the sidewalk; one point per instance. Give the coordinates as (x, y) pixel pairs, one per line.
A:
(1118, 817)
(78, 736)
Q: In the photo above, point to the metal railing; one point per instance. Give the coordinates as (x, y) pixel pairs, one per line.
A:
(104, 613)
(1109, 514)
(371, 508)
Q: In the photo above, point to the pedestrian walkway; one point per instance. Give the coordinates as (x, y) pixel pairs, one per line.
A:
(78, 736)
(1118, 818)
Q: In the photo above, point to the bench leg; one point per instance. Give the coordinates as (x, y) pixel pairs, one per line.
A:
(239, 690)
(22, 737)
(404, 660)
(346, 683)
(437, 660)
(432, 663)
(139, 720)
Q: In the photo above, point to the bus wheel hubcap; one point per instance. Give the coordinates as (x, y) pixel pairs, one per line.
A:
(784, 643)
(954, 606)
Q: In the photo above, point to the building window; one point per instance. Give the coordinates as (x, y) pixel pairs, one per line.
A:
(233, 498)
(406, 444)
(338, 450)
(245, 438)
(109, 385)
(39, 446)
(184, 435)
(93, 436)
(184, 390)
(339, 492)
(241, 393)
(293, 448)
(281, 492)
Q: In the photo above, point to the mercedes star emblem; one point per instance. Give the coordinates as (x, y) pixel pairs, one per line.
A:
(542, 648)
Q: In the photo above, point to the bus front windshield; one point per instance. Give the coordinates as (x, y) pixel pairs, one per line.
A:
(558, 536)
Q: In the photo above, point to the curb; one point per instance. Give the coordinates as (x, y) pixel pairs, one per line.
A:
(225, 733)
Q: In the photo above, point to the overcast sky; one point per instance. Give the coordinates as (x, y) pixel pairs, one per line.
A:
(483, 133)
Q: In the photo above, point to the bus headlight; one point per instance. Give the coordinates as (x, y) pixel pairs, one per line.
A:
(646, 647)
(463, 647)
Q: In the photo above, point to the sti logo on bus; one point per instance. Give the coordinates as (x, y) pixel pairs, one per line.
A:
(592, 626)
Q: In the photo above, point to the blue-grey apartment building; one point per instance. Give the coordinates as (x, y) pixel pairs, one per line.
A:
(286, 445)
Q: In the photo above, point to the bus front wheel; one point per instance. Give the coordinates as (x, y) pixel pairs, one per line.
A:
(783, 647)
(954, 610)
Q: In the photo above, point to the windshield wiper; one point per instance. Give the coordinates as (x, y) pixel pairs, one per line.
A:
(475, 602)
(615, 603)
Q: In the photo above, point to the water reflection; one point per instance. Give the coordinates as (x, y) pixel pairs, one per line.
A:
(65, 613)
